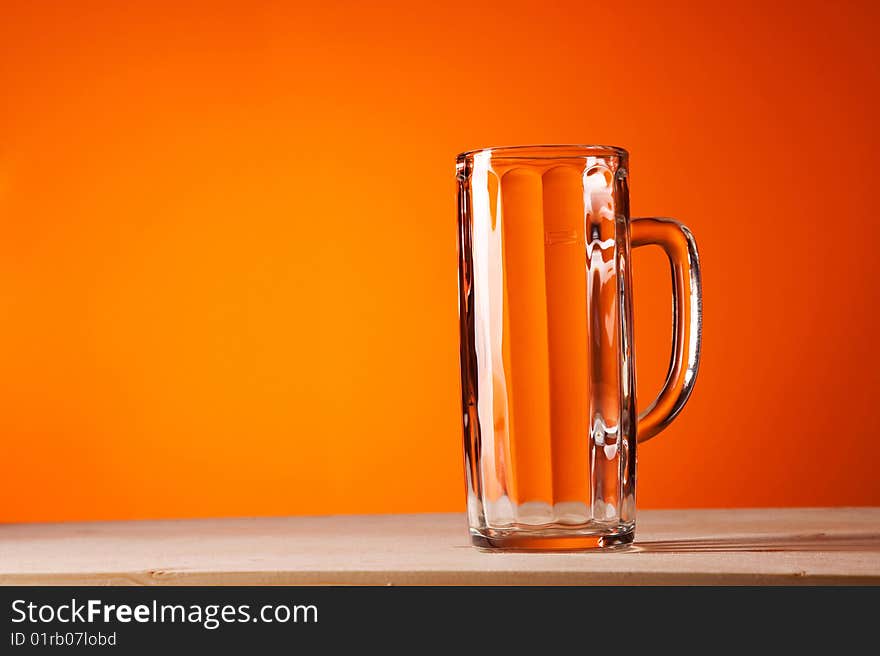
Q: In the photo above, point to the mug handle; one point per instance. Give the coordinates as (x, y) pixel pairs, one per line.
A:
(678, 243)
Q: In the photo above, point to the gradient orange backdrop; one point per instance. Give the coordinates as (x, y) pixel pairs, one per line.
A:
(228, 267)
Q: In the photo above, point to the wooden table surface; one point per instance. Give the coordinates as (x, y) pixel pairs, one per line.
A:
(769, 546)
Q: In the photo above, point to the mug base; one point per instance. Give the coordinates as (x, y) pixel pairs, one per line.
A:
(552, 539)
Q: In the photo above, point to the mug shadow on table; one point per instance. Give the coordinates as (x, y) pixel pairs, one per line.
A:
(813, 542)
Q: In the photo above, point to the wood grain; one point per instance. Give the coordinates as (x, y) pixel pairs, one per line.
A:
(768, 546)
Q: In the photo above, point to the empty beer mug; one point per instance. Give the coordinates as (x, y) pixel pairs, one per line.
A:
(548, 381)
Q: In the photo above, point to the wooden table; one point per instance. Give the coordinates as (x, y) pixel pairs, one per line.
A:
(792, 546)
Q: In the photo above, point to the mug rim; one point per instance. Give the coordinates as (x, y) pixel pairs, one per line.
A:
(548, 151)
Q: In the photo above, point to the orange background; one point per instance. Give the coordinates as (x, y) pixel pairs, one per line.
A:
(227, 260)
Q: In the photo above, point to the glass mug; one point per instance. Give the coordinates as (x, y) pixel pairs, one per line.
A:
(548, 380)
